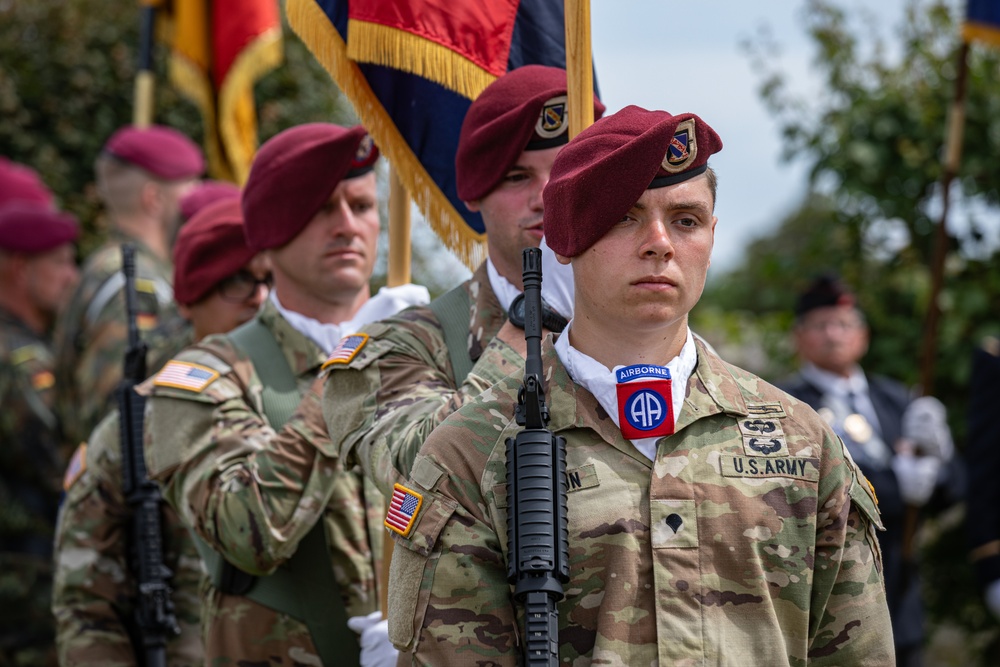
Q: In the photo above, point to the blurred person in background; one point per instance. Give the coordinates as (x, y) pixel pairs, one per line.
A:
(901, 443)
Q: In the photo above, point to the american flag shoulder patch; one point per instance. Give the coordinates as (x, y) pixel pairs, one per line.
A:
(404, 506)
(77, 466)
(185, 375)
(346, 349)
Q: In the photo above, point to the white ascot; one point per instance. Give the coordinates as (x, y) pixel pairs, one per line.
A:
(388, 302)
(595, 377)
(557, 283)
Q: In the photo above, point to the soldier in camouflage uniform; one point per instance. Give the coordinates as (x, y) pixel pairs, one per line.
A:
(37, 275)
(412, 375)
(715, 522)
(292, 558)
(94, 600)
(141, 177)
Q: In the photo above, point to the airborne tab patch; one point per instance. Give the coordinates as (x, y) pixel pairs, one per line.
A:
(346, 350)
(185, 375)
(404, 506)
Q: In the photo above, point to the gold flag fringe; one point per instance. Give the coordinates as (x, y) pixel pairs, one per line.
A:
(237, 118)
(982, 32)
(391, 47)
(194, 84)
(311, 24)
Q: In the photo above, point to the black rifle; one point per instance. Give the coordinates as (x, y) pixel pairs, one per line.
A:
(538, 540)
(154, 608)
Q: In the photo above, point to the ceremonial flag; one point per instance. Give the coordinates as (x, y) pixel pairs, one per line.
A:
(219, 49)
(411, 69)
(982, 21)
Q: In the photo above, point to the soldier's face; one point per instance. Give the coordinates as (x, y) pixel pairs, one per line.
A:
(512, 212)
(833, 337)
(333, 256)
(232, 302)
(50, 278)
(649, 270)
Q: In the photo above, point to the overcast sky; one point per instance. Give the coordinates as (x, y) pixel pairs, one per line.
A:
(686, 57)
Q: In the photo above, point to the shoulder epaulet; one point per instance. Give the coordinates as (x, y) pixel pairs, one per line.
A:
(346, 349)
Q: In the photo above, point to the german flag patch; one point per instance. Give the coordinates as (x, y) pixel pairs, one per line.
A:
(404, 507)
(346, 349)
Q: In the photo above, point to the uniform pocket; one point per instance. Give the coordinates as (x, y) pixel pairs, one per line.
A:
(414, 559)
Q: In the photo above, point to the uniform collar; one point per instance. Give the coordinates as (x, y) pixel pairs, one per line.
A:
(711, 389)
(302, 354)
(831, 383)
(486, 315)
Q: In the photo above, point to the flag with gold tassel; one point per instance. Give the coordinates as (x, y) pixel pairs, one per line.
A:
(218, 51)
(412, 68)
(982, 22)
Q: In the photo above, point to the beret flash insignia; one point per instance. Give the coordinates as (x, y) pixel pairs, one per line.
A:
(552, 121)
(683, 148)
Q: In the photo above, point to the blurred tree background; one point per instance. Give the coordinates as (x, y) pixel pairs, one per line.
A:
(873, 140)
(66, 83)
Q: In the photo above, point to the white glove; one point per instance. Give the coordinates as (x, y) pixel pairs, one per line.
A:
(925, 424)
(376, 649)
(993, 598)
(917, 476)
(557, 282)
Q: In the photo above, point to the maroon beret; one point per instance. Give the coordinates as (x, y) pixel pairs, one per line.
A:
(31, 227)
(204, 193)
(825, 290)
(162, 151)
(293, 175)
(524, 109)
(597, 178)
(20, 183)
(209, 248)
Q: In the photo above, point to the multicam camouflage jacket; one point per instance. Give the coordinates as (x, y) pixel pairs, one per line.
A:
(94, 593)
(209, 445)
(30, 465)
(749, 540)
(381, 404)
(91, 335)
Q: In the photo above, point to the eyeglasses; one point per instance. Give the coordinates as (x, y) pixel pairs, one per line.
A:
(836, 324)
(242, 285)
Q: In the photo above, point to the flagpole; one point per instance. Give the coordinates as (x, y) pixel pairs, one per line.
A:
(579, 66)
(142, 104)
(399, 231)
(953, 155)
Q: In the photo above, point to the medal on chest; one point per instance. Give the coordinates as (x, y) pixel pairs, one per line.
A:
(645, 407)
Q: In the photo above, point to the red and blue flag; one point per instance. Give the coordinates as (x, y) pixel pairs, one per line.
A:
(411, 70)
(982, 21)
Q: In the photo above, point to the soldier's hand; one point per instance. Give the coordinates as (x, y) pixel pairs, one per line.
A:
(376, 650)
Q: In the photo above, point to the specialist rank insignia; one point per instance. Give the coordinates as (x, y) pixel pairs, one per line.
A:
(404, 507)
(346, 350)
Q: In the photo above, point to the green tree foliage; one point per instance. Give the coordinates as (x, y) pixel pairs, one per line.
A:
(873, 138)
(66, 83)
